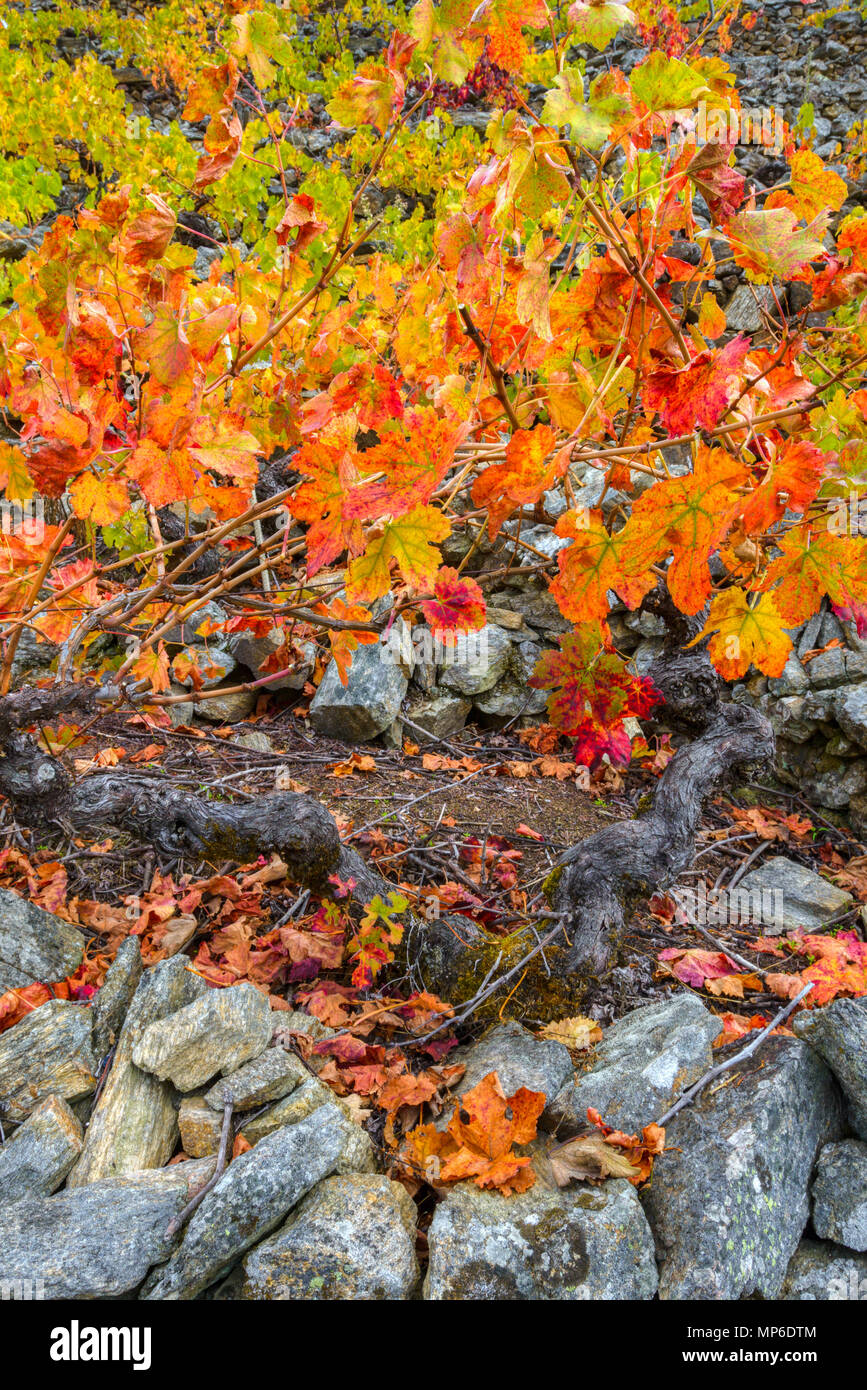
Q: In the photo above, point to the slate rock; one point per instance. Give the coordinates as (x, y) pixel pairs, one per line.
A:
(642, 1064)
(570, 1244)
(47, 1053)
(821, 1272)
(91, 1242)
(226, 709)
(439, 713)
(134, 1124)
(253, 652)
(35, 945)
(368, 704)
(840, 1194)
(111, 1005)
(216, 1033)
(851, 711)
(256, 1193)
(477, 661)
(728, 1201)
(38, 1156)
(268, 1077)
(838, 1032)
(784, 896)
(200, 1127)
(353, 1237)
(297, 1106)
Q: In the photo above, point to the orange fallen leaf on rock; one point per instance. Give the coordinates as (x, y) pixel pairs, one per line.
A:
(609, 1153)
(576, 1033)
(478, 1142)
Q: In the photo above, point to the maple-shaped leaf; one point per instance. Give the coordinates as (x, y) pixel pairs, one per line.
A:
(696, 396)
(770, 243)
(790, 484)
(153, 666)
(533, 289)
(300, 214)
(259, 39)
(409, 541)
(745, 634)
(332, 473)
(222, 142)
(207, 328)
(688, 516)
(594, 742)
(594, 563)
(213, 89)
(437, 34)
(372, 392)
(370, 97)
(164, 346)
(721, 186)
(592, 690)
(376, 935)
(711, 319)
(813, 563)
(458, 604)
(814, 188)
(344, 641)
(480, 1138)
(528, 471)
(15, 480)
(666, 84)
(101, 499)
(577, 1033)
(597, 21)
(163, 477)
(590, 122)
(413, 461)
(148, 235)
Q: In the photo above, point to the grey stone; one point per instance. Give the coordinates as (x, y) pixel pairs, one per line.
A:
(351, 1238)
(836, 667)
(34, 945)
(518, 1058)
(784, 896)
(97, 1241)
(200, 1127)
(838, 1032)
(134, 1124)
(41, 1152)
(186, 633)
(541, 538)
(182, 711)
(110, 1007)
(728, 1201)
(840, 1194)
(477, 661)
(226, 709)
(571, 1244)
(215, 1033)
(368, 704)
(266, 1078)
(793, 681)
(822, 1272)
(851, 711)
(643, 1063)
(744, 309)
(541, 611)
(254, 652)
(297, 1106)
(439, 713)
(511, 698)
(255, 740)
(257, 1192)
(47, 1053)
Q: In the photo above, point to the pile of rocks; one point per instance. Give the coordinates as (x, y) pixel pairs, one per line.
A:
(761, 1190)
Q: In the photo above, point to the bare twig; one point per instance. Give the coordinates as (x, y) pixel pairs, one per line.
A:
(183, 1216)
(730, 1062)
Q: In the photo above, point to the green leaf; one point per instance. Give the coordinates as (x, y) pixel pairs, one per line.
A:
(667, 84)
